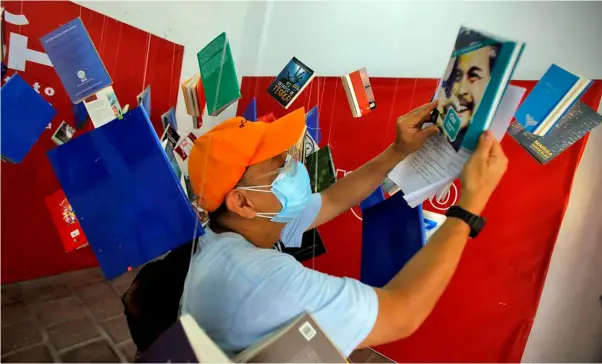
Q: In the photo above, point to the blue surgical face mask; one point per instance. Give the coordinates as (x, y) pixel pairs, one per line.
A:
(293, 190)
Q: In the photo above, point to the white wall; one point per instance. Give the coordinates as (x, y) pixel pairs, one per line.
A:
(414, 39)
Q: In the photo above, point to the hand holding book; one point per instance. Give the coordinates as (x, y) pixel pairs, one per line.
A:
(410, 133)
(482, 173)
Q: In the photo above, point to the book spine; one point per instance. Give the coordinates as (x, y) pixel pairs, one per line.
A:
(500, 77)
(350, 95)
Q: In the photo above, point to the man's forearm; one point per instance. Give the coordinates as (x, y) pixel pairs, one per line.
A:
(352, 189)
(420, 283)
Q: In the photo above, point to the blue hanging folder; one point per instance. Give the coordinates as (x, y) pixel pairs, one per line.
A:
(24, 117)
(392, 232)
(250, 112)
(76, 60)
(375, 197)
(127, 198)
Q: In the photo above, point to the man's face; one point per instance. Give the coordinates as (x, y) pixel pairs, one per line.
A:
(470, 79)
(263, 174)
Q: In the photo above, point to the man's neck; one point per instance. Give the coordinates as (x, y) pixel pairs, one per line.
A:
(259, 232)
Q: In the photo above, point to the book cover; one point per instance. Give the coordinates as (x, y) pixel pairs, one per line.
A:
(169, 118)
(185, 147)
(472, 86)
(359, 92)
(144, 100)
(102, 107)
(311, 246)
(218, 75)
(320, 166)
(76, 60)
(313, 124)
(64, 219)
(577, 122)
(291, 81)
(63, 134)
(309, 144)
(546, 94)
(80, 114)
(250, 112)
(20, 102)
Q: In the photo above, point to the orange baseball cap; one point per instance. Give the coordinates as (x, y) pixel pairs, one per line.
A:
(220, 157)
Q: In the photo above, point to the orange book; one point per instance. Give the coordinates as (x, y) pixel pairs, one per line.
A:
(359, 92)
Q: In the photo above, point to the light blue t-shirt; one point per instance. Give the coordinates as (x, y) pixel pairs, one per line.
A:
(239, 293)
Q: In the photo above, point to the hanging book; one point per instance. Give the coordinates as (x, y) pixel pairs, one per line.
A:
(144, 100)
(250, 112)
(185, 147)
(63, 134)
(291, 81)
(64, 219)
(550, 99)
(75, 60)
(169, 118)
(359, 92)
(194, 98)
(218, 75)
(102, 107)
(473, 84)
(320, 167)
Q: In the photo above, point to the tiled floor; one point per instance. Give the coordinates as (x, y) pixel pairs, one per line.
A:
(72, 317)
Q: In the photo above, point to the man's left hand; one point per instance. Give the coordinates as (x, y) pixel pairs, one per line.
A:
(410, 135)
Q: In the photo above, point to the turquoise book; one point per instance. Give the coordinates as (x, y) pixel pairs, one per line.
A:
(218, 75)
(473, 84)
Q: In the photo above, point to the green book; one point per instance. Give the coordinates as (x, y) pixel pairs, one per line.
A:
(321, 169)
(218, 75)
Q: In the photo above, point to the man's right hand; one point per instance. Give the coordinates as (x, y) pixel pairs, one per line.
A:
(482, 173)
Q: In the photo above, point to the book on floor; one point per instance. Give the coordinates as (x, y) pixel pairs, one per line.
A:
(102, 107)
(320, 167)
(76, 60)
(436, 164)
(473, 84)
(25, 114)
(578, 121)
(359, 92)
(552, 97)
(301, 341)
(218, 75)
(291, 81)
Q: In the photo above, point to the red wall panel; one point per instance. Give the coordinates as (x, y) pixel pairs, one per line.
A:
(486, 313)
(31, 246)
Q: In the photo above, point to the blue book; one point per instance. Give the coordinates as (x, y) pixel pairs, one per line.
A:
(25, 115)
(473, 84)
(144, 100)
(250, 112)
(375, 197)
(125, 193)
(392, 233)
(76, 60)
(168, 118)
(291, 81)
(80, 114)
(313, 124)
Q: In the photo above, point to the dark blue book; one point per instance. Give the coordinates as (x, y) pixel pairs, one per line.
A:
(291, 81)
(115, 177)
(80, 114)
(76, 60)
(144, 100)
(250, 112)
(375, 197)
(25, 115)
(313, 124)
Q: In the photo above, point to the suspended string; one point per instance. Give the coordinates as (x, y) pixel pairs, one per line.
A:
(171, 83)
(390, 113)
(148, 41)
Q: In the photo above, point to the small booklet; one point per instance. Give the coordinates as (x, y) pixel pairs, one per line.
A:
(472, 87)
(64, 219)
(185, 147)
(76, 60)
(218, 75)
(63, 134)
(291, 81)
(578, 121)
(320, 167)
(103, 107)
(359, 92)
(169, 118)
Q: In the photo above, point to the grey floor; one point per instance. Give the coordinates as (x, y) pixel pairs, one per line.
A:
(72, 317)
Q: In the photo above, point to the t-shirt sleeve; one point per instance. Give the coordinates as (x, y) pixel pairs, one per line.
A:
(292, 233)
(345, 308)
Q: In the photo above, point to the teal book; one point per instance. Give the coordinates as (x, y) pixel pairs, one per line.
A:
(218, 75)
(473, 84)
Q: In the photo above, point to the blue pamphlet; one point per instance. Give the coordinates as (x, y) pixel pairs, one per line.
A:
(76, 60)
(127, 198)
(250, 112)
(144, 99)
(375, 197)
(25, 115)
(313, 124)
(392, 232)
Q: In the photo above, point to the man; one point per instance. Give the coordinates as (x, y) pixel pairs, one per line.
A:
(239, 289)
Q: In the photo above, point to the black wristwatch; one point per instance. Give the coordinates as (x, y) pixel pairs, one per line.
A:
(475, 222)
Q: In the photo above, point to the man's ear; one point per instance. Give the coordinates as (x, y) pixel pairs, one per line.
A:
(238, 203)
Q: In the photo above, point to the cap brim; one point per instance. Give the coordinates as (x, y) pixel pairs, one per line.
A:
(280, 136)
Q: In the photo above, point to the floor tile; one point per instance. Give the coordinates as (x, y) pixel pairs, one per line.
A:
(95, 352)
(117, 328)
(72, 332)
(19, 336)
(15, 313)
(106, 307)
(34, 354)
(54, 312)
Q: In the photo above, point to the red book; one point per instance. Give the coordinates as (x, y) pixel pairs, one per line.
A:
(65, 221)
(359, 92)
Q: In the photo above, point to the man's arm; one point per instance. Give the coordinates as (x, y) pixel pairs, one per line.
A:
(356, 186)
(406, 301)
